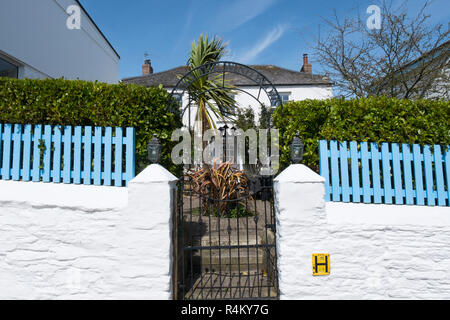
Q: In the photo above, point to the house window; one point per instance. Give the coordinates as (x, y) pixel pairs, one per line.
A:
(7, 69)
(285, 96)
(179, 99)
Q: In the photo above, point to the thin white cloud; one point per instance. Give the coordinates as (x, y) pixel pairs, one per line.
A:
(251, 54)
(237, 13)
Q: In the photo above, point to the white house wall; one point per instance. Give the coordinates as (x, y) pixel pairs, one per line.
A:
(246, 97)
(34, 34)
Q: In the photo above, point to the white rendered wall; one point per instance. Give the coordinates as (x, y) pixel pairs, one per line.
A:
(85, 242)
(34, 34)
(296, 93)
(376, 251)
(248, 95)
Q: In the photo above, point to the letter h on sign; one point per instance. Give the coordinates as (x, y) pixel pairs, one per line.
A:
(321, 264)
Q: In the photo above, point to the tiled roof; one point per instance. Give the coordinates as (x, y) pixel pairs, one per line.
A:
(278, 76)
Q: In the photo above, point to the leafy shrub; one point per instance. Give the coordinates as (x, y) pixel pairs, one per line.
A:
(66, 102)
(375, 119)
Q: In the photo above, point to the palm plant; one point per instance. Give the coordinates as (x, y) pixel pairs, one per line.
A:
(210, 93)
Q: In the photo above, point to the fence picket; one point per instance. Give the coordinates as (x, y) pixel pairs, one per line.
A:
(17, 146)
(47, 153)
(440, 188)
(323, 165)
(77, 155)
(376, 177)
(418, 174)
(67, 165)
(118, 157)
(56, 174)
(1, 139)
(87, 155)
(343, 152)
(387, 178)
(429, 183)
(397, 172)
(36, 171)
(130, 148)
(97, 156)
(356, 196)
(6, 167)
(108, 148)
(447, 173)
(407, 158)
(365, 172)
(26, 159)
(334, 171)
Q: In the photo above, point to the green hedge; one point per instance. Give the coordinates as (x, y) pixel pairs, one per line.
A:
(376, 119)
(66, 102)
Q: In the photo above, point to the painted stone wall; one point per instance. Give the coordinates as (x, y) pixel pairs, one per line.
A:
(85, 242)
(376, 251)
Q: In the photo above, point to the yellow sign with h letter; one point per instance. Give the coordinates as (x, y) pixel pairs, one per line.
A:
(321, 264)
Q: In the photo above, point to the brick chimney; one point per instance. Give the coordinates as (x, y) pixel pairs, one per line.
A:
(147, 67)
(307, 67)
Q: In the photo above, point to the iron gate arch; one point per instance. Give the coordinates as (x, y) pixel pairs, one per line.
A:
(224, 68)
(225, 248)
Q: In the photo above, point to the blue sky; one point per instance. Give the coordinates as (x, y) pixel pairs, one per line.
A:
(257, 31)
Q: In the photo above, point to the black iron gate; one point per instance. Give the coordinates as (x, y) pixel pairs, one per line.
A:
(226, 248)
(224, 245)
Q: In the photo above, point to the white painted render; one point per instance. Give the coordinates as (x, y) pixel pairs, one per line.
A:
(34, 35)
(376, 251)
(82, 197)
(87, 242)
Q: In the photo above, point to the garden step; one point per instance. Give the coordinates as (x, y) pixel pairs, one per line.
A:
(242, 238)
(211, 285)
(242, 259)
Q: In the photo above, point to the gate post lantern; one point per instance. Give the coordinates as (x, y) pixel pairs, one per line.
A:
(297, 148)
(154, 149)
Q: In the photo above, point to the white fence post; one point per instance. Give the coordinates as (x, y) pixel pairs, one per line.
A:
(145, 236)
(300, 216)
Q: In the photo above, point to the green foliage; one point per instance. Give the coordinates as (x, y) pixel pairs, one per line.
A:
(245, 118)
(375, 119)
(66, 102)
(211, 96)
(240, 211)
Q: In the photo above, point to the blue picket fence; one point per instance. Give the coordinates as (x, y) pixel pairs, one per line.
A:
(387, 173)
(79, 155)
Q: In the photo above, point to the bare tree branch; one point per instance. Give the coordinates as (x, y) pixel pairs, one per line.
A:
(405, 58)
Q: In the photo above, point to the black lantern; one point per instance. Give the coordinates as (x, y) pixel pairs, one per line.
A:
(154, 149)
(297, 147)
